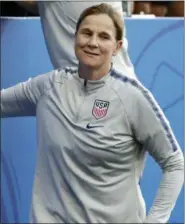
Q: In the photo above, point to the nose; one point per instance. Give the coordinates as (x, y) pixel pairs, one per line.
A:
(93, 42)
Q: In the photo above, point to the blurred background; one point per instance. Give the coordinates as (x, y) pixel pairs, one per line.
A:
(156, 8)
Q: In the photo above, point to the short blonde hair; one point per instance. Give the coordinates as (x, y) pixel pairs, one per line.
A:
(107, 9)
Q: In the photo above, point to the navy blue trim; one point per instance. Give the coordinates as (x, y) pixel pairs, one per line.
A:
(71, 70)
(155, 107)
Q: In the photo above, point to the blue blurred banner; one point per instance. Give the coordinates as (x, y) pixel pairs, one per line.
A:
(156, 49)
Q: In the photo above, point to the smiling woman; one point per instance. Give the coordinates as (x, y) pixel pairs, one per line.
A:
(93, 138)
(96, 45)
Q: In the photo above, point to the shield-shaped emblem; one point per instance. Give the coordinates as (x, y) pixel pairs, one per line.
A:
(100, 108)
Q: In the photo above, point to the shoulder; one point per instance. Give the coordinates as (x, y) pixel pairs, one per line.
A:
(130, 88)
(136, 98)
(61, 75)
(67, 73)
(47, 80)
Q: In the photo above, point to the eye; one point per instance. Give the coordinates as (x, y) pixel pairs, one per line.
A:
(105, 37)
(86, 33)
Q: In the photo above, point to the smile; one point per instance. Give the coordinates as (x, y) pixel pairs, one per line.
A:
(91, 53)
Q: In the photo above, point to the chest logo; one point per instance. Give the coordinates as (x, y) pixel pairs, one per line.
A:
(100, 108)
(90, 126)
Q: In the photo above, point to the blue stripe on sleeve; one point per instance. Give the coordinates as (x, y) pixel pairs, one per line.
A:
(153, 104)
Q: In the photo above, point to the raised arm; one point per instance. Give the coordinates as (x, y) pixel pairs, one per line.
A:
(153, 131)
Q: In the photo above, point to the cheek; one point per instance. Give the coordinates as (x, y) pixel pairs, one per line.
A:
(108, 49)
(80, 42)
(79, 45)
(77, 48)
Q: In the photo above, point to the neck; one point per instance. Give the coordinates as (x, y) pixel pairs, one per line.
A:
(88, 73)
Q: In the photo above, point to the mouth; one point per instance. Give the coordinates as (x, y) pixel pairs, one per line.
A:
(91, 53)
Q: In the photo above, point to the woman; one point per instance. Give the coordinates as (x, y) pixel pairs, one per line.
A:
(93, 127)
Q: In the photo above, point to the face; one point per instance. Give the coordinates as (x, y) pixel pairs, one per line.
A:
(95, 41)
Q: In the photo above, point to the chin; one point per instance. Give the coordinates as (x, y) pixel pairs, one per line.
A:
(86, 60)
(89, 64)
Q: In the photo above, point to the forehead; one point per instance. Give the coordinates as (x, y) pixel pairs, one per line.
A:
(99, 23)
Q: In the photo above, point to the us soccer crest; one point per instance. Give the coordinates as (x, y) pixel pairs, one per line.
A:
(100, 108)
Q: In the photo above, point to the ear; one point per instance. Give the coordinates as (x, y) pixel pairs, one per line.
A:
(118, 47)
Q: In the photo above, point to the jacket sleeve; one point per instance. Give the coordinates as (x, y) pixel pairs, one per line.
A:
(22, 99)
(153, 131)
